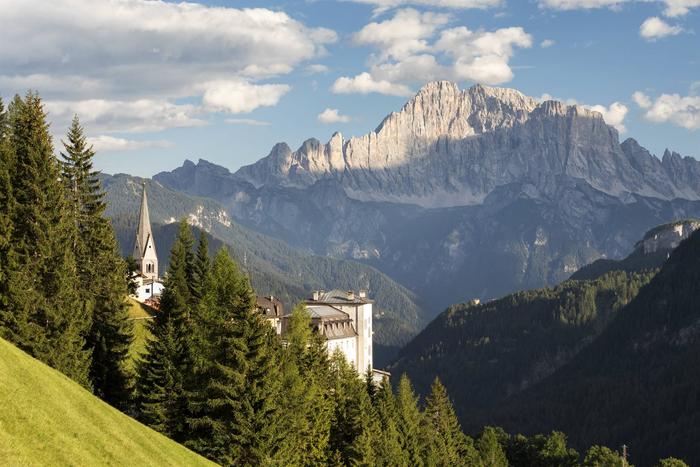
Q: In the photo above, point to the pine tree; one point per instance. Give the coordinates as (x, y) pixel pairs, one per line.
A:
(101, 271)
(164, 374)
(409, 422)
(201, 269)
(45, 314)
(490, 450)
(235, 416)
(5, 205)
(601, 456)
(448, 443)
(389, 452)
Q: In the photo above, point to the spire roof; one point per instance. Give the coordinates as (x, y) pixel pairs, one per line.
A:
(143, 232)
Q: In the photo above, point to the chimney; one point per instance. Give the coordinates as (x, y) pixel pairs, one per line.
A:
(363, 293)
(314, 296)
(351, 295)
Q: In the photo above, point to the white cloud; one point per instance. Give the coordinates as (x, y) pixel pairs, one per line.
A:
(676, 8)
(614, 115)
(641, 99)
(133, 50)
(104, 143)
(656, 28)
(365, 84)
(413, 47)
(383, 5)
(403, 35)
(683, 111)
(241, 96)
(316, 68)
(580, 4)
(547, 43)
(247, 121)
(139, 116)
(332, 116)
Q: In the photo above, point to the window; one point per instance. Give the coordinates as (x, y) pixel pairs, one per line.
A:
(148, 290)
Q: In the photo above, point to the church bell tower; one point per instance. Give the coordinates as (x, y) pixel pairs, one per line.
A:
(144, 246)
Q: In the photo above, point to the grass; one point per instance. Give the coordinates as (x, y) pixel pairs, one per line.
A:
(47, 419)
(140, 314)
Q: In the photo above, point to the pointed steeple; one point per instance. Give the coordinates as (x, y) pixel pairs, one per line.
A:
(144, 246)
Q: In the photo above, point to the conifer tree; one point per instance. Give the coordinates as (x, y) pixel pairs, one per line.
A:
(490, 450)
(101, 271)
(601, 456)
(447, 443)
(389, 452)
(167, 366)
(201, 269)
(409, 420)
(45, 313)
(5, 203)
(235, 415)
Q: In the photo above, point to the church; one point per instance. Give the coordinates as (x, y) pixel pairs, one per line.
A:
(149, 286)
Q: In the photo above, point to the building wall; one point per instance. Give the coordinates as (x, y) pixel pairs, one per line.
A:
(361, 315)
(347, 346)
(149, 261)
(146, 291)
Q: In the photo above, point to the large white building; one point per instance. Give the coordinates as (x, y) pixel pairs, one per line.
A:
(149, 286)
(344, 318)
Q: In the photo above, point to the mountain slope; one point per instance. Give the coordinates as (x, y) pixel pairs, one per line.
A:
(47, 419)
(638, 382)
(461, 193)
(275, 268)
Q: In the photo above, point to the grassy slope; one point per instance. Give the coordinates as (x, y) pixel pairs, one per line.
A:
(47, 419)
(139, 311)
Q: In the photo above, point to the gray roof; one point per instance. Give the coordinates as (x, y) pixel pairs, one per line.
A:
(326, 312)
(339, 297)
(143, 231)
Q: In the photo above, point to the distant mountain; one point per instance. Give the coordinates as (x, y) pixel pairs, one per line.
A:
(460, 194)
(275, 267)
(649, 253)
(638, 382)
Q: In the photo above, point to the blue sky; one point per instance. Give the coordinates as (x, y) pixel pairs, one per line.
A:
(156, 83)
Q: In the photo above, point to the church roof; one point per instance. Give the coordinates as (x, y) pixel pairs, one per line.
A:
(143, 231)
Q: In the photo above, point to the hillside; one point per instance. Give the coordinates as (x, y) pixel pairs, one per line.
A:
(47, 419)
(638, 382)
(487, 352)
(275, 268)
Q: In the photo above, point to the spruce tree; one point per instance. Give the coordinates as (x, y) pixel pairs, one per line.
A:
(101, 271)
(235, 416)
(164, 373)
(447, 442)
(201, 269)
(409, 420)
(389, 452)
(45, 315)
(5, 206)
(491, 452)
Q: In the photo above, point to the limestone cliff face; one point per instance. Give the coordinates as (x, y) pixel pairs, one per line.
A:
(452, 147)
(668, 236)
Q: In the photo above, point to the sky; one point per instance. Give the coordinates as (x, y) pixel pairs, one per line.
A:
(155, 82)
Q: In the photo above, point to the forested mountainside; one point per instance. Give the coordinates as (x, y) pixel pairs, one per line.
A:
(275, 268)
(460, 194)
(638, 382)
(487, 352)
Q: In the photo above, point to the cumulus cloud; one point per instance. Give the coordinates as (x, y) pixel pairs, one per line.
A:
(241, 96)
(413, 47)
(365, 84)
(545, 44)
(580, 4)
(383, 5)
(613, 114)
(247, 121)
(105, 143)
(683, 111)
(136, 49)
(332, 116)
(139, 116)
(676, 8)
(655, 28)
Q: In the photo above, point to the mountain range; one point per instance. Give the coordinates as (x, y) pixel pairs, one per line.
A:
(460, 194)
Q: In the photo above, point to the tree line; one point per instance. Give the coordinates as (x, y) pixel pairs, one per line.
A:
(215, 376)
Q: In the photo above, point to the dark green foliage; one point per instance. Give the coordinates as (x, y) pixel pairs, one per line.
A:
(44, 313)
(485, 353)
(234, 412)
(671, 462)
(167, 365)
(411, 436)
(202, 265)
(101, 272)
(491, 453)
